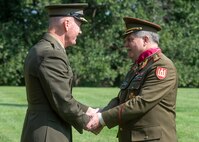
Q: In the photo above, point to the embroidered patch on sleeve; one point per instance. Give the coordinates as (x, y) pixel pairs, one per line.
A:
(161, 73)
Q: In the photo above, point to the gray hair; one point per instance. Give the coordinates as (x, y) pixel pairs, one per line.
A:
(153, 37)
(55, 21)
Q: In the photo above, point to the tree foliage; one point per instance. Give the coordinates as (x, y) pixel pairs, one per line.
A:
(99, 58)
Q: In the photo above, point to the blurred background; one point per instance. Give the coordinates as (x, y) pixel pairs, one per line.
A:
(99, 58)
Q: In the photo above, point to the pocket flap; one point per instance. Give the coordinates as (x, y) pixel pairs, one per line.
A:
(134, 85)
(146, 134)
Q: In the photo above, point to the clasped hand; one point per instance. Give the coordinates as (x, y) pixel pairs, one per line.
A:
(94, 124)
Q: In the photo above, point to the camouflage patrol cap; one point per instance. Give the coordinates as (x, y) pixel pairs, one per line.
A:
(67, 10)
(135, 24)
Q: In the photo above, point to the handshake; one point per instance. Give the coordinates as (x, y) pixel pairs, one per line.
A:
(96, 123)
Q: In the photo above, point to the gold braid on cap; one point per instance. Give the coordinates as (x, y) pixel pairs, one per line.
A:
(132, 29)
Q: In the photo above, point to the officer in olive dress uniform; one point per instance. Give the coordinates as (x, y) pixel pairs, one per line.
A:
(145, 107)
(52, 110)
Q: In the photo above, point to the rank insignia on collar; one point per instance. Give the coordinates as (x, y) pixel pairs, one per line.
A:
(161, 73)
(143, 64)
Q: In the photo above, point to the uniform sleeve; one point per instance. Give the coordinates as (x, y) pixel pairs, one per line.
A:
(113, 103)
(151, 93)
(55, 77)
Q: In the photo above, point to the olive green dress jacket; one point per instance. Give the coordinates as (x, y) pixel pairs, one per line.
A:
(52, 110)
(145, 106)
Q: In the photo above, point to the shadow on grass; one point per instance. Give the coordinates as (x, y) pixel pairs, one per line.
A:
(13, 105)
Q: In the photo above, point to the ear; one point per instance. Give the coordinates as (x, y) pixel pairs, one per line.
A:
(66, 25)
(146, 39)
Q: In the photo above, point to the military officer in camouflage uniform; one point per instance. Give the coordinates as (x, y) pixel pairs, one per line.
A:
(52, 110)
(145, 107)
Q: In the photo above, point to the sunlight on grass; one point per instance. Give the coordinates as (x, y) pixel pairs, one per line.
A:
(13, 107)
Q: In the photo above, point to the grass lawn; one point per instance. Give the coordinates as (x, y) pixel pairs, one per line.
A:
(13, 107)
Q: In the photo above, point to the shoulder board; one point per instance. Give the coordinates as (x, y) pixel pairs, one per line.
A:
(156, 57)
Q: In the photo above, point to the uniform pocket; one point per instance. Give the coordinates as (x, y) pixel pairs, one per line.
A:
(135, 84)
(133, 89)
(146, 134)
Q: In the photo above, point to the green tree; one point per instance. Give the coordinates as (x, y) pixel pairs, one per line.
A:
(180, 37)
(21, 25)
(99, 58)
(103, 60)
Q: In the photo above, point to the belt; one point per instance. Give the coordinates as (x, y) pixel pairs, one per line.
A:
(39, 107)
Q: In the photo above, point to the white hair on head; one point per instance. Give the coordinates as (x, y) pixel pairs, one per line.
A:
(153, 37)
(56, 22)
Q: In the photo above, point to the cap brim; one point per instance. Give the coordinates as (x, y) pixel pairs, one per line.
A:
(82, 19)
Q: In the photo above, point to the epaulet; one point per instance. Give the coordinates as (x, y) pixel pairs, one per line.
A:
(52, 44)
(156, 56)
